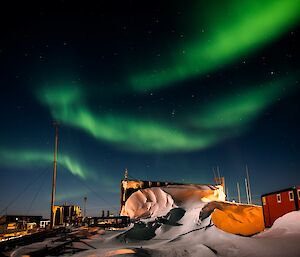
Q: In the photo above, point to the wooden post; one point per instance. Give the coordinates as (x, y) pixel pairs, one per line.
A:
(52, 214)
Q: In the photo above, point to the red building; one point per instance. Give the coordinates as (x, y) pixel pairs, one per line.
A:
(278, 203)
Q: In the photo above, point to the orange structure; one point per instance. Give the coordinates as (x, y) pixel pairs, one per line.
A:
(239, 219)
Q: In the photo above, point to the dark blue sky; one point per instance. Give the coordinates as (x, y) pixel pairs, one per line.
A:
(167, 91)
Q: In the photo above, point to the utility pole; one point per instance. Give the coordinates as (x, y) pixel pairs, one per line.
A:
(238, 191)
(54, 176)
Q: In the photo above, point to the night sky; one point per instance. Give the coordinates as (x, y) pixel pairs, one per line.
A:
(167, 90)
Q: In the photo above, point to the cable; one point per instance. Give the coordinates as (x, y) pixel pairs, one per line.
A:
(91, 189)
(133, 178)
(36, 194)
(24, 190)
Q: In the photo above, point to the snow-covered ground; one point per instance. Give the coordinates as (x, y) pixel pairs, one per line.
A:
(191, 220)
(173, 222)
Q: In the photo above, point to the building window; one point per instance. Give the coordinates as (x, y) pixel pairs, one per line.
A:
(264, 200)
(278, 198)
(291, 196)
(298, 194)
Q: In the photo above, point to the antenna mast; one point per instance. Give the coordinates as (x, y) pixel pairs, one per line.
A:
(238, 191)
(247, 192)
(54, 176)
(248, 184)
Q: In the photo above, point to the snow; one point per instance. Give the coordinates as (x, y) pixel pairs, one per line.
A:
(150, 202)
(285, 226)
(187, 221)
(199, 240)
(158, 201)
(178, 221)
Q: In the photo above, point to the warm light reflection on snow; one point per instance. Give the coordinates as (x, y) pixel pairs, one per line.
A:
(119, 252)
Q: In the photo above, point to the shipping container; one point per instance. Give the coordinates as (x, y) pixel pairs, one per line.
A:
(278, 203)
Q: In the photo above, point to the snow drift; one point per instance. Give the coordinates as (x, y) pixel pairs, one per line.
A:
(194, 221)
(158, 201)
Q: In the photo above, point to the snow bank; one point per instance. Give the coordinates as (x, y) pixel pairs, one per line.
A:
(158, 201)
(202, 238)
(192, 221)
(285, 226)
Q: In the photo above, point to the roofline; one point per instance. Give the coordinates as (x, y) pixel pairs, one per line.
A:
(105, 217)
(13, 215)
(280, 191)
(168, 183)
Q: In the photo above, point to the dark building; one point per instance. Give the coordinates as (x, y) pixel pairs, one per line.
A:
(278, 203)
(9, 223)
(5, 219)
(67, 214)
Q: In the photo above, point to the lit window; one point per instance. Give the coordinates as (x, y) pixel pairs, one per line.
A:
(291, 196)
(278, 198)
(264, 200)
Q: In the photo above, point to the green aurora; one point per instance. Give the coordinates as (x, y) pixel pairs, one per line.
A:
(23, 158)
(167, 90)
(241, 107)
(251, 25)
(200, 127)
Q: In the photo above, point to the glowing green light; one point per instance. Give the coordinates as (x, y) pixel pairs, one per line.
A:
(133, 133)
(241, 107)
(201, 127)
(59, 96)
(21, 158)
(250, 25)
